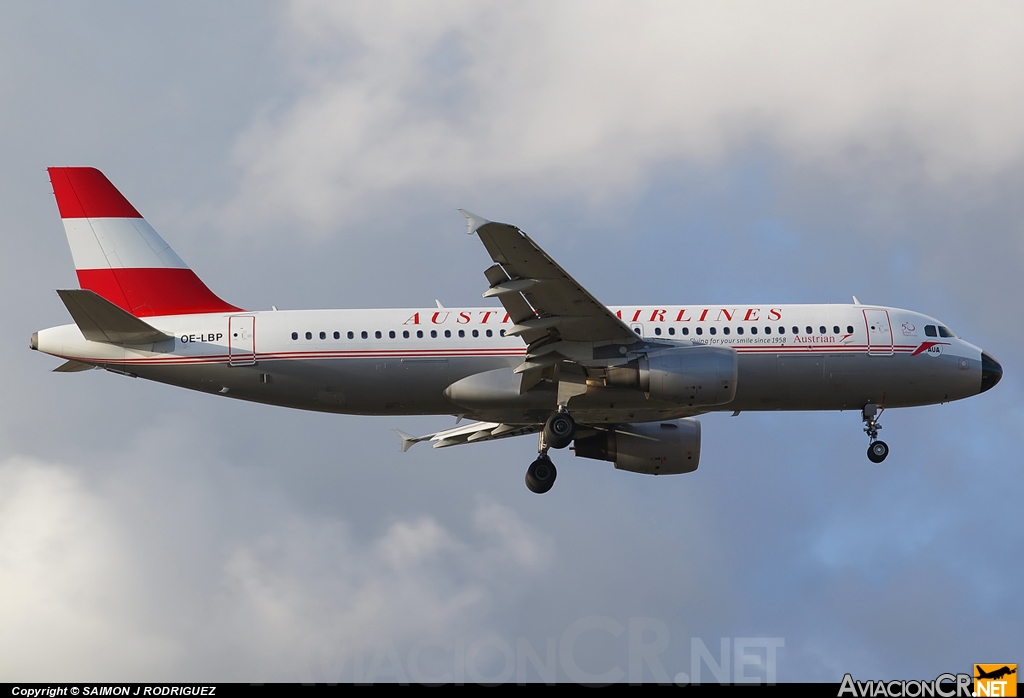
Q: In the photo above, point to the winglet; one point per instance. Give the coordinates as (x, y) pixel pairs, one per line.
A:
(408, 440)
(473, 221)
(855, 301)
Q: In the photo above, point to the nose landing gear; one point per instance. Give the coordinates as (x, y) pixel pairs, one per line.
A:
(877, 450)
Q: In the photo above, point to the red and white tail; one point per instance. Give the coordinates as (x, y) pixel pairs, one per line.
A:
(117, 253)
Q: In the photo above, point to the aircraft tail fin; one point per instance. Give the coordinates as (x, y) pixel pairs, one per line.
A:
(119, 256)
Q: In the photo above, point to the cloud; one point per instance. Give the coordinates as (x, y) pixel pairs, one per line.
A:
(68, 589)
(83, 598)
(583, 98)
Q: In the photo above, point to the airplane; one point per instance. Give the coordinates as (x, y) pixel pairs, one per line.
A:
(996, 673)
(620, 384)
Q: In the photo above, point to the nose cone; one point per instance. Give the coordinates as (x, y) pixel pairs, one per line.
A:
(991, 371)
(34, 342)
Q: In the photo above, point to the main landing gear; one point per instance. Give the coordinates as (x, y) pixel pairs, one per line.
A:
(559, 431)
(877, 450)
(540, 476)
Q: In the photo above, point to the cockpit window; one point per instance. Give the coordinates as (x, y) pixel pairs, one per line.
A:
(929, 331)
(945, 332)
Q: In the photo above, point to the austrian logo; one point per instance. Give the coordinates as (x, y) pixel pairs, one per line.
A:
(995, 679)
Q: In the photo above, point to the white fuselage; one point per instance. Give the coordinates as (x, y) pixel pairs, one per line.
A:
(400, 361)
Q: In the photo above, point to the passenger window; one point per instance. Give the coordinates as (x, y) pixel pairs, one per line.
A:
(753, 330)
(447, 333)
(637, 330)
(364, 335)
(489, 333)
(782, 330)
(713, 330)
(433, 334)
(323, 335)
(377, 334)
(767, 330)
(309, 335)
(657, 330)
(501, 333)
(725, 330)
(476, 333)
(686, 331)
(849, 329)
(945, 332)
(835, 329)
(671, 330)
(929, 331)
(700, 330)
(295, 335)
(351, 335)
(391, 334)
(810, 330)
(821, 330)
(462, 333)
(739, 330)
(796, 330)
(419, 334)
(337, 335)
(405, 334)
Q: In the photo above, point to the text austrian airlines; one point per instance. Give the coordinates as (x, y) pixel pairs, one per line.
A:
(620, 383)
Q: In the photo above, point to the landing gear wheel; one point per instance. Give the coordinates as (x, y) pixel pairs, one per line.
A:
(877, 451)
(540, 476)
(559, 430)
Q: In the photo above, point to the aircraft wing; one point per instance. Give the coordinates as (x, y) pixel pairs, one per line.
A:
(543, 301)
(469, 433)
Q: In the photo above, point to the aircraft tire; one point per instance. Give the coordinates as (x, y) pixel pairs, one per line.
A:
(877, 451)
(559, 430)
(540, 476)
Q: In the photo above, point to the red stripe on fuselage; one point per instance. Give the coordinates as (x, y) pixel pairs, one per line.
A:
(146, 292)
(84, 192)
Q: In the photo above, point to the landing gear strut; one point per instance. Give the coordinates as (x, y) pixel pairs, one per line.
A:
(559, 431)
(877, 450)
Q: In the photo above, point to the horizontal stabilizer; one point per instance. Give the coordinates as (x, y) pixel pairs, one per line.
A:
(102, 321)
(73, 367)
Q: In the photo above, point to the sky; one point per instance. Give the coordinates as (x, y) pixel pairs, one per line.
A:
(313, 154)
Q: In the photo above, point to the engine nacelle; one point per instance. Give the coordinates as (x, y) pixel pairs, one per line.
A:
(697, 376)
(668, 448)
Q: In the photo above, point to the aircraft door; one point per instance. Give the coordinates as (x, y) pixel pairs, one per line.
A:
(879, 332)
(241, 340)
(637, 327)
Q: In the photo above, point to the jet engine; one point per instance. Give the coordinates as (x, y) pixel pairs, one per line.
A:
(698, 375)
(668, 448)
